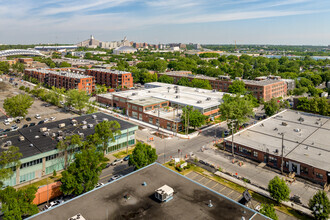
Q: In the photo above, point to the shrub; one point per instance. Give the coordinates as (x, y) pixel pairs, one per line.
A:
(21, 88)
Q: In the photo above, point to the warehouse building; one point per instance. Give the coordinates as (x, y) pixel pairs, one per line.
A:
(141, 194)
(160, 104)
(306, 150)
(38, 144)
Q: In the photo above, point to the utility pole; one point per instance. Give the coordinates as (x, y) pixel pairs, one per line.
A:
(282, 162)
(232, 140)
(158, 118)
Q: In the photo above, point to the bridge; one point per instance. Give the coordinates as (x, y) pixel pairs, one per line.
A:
(14, 52)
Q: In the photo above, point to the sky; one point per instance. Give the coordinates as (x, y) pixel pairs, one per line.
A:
(287, 22)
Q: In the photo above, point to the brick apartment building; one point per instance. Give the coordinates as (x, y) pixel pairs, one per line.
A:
(112, 78)
(265, 89)
(62, 79)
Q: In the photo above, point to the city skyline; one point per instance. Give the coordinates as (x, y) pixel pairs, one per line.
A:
(291, 22)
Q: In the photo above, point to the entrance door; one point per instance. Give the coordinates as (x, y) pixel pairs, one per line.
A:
(328, 179)
(265, 158)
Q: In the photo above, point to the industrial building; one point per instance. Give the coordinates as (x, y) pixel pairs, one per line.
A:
(38, 144)
(305, 144)
(62, 79)
(124, 50)
(93, 43)
(112, 78)
(160, 104)
(146, 194)
(265, 89)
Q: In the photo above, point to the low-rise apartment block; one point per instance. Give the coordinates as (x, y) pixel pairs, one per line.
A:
(112, 78)
(62, 79)
(265, 89)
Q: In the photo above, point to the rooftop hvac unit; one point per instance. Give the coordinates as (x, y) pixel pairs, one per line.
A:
(94, 116)
(62, 125)
(177, 96)
(297, 130)
(81, 134)
(208, 98)
(46, 133)
(84, 122)
(74, 121)
(214, 90)
(36, 137)
(31, 145)
(104, 119)
(59, 138)
(90, 125)
(199, 101)
(60, 133)
(8, 143)
(43, 129)
(53, 135)
(21, 138)
(84, 127)
(164, 193)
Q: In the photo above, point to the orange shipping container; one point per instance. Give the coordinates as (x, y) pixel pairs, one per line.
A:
(52, 191)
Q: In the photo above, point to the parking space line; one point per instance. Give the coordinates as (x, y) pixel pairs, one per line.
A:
(230, 192)
(238, 197)
(223, 189)
(201, 179)
(214, 185)
(208, 182)
(194, 176)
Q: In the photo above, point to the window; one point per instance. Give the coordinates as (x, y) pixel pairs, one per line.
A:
(31, 163)
(157, 122)
(255, 154)
(140, 117)
(116, 98)
(134, 107)
(304, 170)
(150, 120)
(169, 126)
(134, 114)
(164, 104)
(148, 108)
(319, 175)
(140, 109)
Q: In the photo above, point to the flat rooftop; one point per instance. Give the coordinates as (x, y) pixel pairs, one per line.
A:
(190, 200)
(62, 73)
(109, 71)
(182, 95)
(171, 114)
(44, 143)
(306, 137)
(146, 102)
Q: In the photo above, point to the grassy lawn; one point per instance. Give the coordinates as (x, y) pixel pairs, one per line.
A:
(123, 153)
(42, 182)
(241, 189)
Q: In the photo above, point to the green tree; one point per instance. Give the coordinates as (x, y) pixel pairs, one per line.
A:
(237, 87)
(77, 99)
(18, 105)
(278, 189)
(105, 132)
(320, 201)
(166, 79)
(183, 81)
(55, 96)
(269, 211)
(65, 64)
(66, 148)
(235, 110)
(9, 159)
(17, 204)
(271, 107)
(4, 67)
(143, 155)
(18, 67)
(192, 116)
(199, 83)
(83, 174)
(159, 65)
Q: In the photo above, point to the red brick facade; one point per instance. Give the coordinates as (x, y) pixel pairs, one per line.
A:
(112, 78)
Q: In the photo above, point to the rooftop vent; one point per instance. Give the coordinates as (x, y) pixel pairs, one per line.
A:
(31, 145)
(21, 138)
(284, 123)
(214, 90)
(59, 138)
(94, 116)
(37, 136)
(301, 119)
(74, 121)
(208, 98)
(104, 119)
(297, 130)
(90, 125)
(84, 127)
(84, 122)
(199, 101)
(46, 133)
(177, 96)
(43, 129)
(62, 125)
(8, 143)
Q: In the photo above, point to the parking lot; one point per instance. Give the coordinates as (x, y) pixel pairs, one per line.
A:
(38, 107)
(228, 192)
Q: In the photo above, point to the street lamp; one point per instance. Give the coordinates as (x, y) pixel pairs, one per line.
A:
(232, 137)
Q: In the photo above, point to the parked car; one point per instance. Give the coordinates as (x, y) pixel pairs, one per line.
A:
(25, 126)
(46, 120)
(32, 124)
(41, 122)
(126, 158)
(47, 105)
(52, 118)
(99, 185)
(7, 130)
(117, 176)
(18, 121)
(108, 165)
(54, 203)
(115, 162)
(28, 119)
(6, 122)
(14, 128)
(37, 116)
